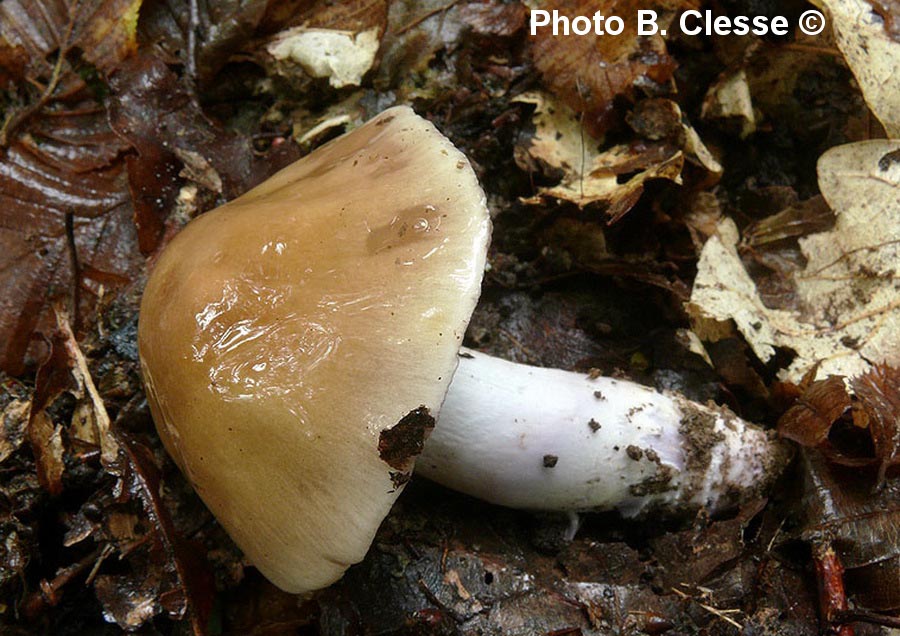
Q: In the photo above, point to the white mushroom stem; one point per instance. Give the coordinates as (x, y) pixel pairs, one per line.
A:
(546, 439)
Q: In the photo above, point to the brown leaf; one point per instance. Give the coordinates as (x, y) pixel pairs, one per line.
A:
(155, 113)
(809, 421)
(588, 72)
(104, 30)
(193, 594)
(879, 400)
(47, 447)
(13, 426)
(493, 20)
(62, 160)
(863, 527)
(350, 15)
(222, 27)
(126, 601)
(65, 370)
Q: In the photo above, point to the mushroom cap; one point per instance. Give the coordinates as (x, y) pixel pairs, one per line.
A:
(297, 342)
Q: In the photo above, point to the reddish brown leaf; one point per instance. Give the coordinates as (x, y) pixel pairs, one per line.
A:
(62, 161)
(221, 28)
(103, 30)
(879, 400)
(155, 113)
(809, 421)
(588, 72)
(62, 166)
(862, 527)
(194, 592)
(351, 15)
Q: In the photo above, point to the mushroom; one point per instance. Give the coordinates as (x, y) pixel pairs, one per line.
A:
(297, 344)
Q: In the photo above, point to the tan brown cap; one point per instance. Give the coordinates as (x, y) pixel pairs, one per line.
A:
(297, 342)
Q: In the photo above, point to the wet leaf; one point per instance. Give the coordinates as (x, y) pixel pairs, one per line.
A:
(128, 602)
(193, 591)
(65, 370)
(103, 30)
(61, 159)
(221, 28)
(863, 528)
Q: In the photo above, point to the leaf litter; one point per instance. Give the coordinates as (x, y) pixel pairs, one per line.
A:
(619, 135)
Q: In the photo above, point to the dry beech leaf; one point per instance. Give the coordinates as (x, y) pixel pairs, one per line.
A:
(866, 35)
(588, 72)
(848, 292)
(590, 176)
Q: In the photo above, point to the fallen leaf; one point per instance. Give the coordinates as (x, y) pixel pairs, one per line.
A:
(62, 160)
(848, 292)
(103, 30)
(588, 72)
(13, 426)
(613, 177)
(879, 399)
(221, 29)
(808, 422)
(863, 527)
(65, 370)
(865, 35)
(730, 99)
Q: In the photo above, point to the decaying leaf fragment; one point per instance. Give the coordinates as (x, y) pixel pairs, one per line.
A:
(562, 146)
(849, 290)
(343, 57)
(863, 32)
(66, 370)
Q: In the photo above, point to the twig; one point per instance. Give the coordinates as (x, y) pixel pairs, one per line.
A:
(715, 611)
(76, 272)
(49, 590)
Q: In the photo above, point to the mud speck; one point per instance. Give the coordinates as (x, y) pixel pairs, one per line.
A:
(399, 445)
(634, 452)
(594, 425)
(698, 430)
(657, 483)
(550, 461)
